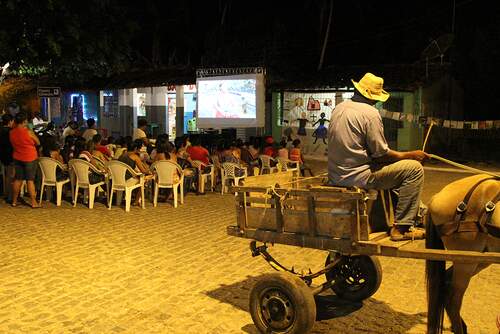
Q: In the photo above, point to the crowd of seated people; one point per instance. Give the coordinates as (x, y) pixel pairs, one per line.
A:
(22, 147)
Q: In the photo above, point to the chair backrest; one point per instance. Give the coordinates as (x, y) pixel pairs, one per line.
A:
(119, 151)
(283, 163)
(81, 169)
(215, 160)
(229, 169)
(165, 170)
(265, 161)
(48, 167)
(117, 171)
(100, 163)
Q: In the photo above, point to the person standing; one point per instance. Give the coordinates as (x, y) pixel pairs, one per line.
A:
(24, 142)
(358, 155)
(6, 154)
(90, 132)
(140, 131)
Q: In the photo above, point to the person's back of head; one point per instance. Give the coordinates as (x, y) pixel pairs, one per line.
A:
(110, 140)
(73, 125)
(195, 141)
(142, 123)
(283, 143)
(69, 140)
(90, 146)
(20, 118)
(80, 145)
(49, 144)
(97, 139)
(296, 143)
(90, 123)
(135, 145)
(7, 119)
(170, 147)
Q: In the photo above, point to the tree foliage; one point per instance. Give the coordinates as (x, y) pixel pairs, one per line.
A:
(70, 40)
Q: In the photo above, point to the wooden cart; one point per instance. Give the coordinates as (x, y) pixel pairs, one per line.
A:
(279, 208)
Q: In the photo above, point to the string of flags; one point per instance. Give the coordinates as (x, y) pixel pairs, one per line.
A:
(445, 123)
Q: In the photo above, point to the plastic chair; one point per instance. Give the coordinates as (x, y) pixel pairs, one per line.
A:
(119, 151)
(203, 177)
(82, 169)
(49, 167)
(117, 171)
(229, 173)
(265, 162)
(164, 178)
(285, 165)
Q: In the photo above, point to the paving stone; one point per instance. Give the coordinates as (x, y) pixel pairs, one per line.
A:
(166, 270)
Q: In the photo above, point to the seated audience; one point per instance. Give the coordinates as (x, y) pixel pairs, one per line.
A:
(105, 153)
(140, 131)
(283, 151)
(296, 155)
(90, 132)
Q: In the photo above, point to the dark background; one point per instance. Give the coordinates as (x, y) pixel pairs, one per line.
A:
(82, 42)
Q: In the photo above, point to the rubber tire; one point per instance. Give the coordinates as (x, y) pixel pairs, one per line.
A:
(371, 269)
(297, 292)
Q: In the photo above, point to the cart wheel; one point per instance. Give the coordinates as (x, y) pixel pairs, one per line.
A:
(282, 303)
(355, 278)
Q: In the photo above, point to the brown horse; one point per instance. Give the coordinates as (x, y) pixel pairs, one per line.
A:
(461, 217)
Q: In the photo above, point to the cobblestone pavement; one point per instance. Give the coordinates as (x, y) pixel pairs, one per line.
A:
(166, 270)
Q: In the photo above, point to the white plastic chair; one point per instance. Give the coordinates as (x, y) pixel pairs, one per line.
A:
(288, 165)
(119, 151)
(203, 177)
(229, 173)
(82, 169)
(117, 171)
(49, 167)
(265, 162)
(164, 178)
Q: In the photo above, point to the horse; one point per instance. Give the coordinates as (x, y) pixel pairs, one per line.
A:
(461, 216)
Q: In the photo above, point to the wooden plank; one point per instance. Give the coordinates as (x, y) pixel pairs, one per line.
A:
(262, 200)
(334, 204)
(417, 250)
(355, 230)
(292, 239)
(264, 218)
(364, 227)
(311, 216)
(278, 214)
(240, 211)
(375, 236)
(328, 225)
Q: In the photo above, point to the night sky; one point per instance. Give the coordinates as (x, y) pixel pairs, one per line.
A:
(78, 41)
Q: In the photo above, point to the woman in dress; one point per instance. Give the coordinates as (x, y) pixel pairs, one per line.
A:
(321, 131)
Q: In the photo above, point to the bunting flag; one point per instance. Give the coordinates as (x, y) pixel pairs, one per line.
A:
(445, 123)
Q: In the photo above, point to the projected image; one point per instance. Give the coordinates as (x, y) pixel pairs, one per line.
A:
(227, 98)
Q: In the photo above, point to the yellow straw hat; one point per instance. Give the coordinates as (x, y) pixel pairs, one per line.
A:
(371, 87)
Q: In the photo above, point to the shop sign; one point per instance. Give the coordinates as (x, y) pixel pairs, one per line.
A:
(49, 91)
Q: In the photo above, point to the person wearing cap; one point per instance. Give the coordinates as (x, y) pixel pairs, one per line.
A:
(358, 155)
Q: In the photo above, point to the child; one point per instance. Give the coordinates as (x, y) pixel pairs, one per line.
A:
(296, 155)
(283, 151)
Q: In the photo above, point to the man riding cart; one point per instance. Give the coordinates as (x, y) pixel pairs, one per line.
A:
(358, 155)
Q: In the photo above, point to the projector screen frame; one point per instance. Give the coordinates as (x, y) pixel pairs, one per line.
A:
(221, 123)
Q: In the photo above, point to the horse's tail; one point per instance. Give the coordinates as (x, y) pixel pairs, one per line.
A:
(436, 281)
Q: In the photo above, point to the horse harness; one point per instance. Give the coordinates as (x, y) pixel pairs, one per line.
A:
(461, 224)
